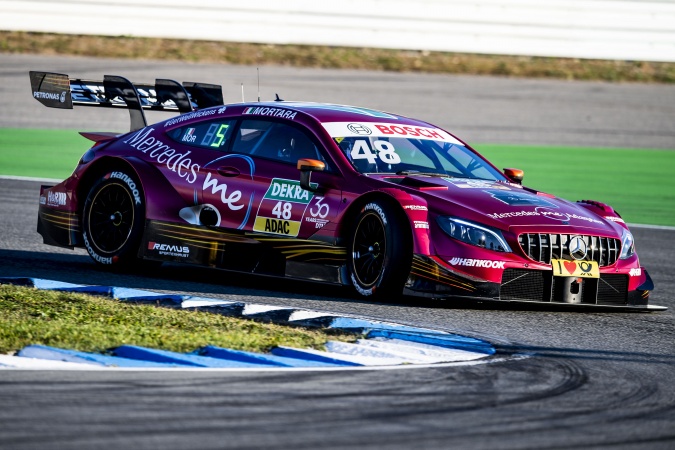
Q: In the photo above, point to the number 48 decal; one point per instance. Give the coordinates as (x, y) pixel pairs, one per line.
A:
(385, 151)
(282, 210)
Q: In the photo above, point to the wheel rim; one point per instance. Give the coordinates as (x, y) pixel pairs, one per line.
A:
(369, 250)
(111, 218)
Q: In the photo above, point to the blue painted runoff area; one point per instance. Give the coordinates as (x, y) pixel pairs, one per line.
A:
(132, 356)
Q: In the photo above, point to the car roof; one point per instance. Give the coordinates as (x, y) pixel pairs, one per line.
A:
(326, 112)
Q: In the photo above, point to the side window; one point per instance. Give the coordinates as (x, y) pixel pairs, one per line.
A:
(274, 140)
(212, 134)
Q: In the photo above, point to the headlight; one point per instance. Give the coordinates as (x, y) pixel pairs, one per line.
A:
(474, 234)
(627, 245)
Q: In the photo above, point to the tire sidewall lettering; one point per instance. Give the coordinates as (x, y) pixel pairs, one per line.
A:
(95, 256)
(378, 209)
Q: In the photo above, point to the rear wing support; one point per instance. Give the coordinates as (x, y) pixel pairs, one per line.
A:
(57, 90)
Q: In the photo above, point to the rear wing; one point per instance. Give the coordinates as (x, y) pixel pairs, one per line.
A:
(57, 90)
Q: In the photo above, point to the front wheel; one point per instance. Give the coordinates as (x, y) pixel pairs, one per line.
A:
(380, 253)
(112, 219)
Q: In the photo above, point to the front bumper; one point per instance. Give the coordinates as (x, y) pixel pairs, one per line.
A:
(430, 277)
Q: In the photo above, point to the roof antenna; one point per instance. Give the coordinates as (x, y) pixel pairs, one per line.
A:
(278, 99)
(258, 70)
(242, 93)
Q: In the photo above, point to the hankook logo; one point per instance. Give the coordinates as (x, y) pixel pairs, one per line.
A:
(357, 128)
(577, 248)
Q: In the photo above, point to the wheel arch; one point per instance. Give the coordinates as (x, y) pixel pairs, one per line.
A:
(148, 177)
(401, 201)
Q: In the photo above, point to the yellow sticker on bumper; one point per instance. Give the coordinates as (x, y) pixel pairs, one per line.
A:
(581, 269)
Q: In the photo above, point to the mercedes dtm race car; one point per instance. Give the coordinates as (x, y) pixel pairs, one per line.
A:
(329, 193)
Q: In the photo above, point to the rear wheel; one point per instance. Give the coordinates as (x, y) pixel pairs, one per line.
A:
(112, 220)
(379, 254)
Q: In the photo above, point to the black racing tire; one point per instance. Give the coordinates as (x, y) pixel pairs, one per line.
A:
(380, 251)
(113, 219)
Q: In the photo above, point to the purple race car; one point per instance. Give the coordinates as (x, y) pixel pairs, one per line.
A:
(328, 193)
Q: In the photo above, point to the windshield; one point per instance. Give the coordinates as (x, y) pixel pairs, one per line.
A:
(406, 156)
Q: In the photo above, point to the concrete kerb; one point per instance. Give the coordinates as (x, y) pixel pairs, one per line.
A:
(384, 345)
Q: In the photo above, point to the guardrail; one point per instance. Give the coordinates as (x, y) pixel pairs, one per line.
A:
(603, 29)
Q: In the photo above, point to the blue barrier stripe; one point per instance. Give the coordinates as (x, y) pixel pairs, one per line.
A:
(58, 354)
(272, 360)
(165, 356)
(301, 354)
(348, 323)
(448, 341)
(215, 357)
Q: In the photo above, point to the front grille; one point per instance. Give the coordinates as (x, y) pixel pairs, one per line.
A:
(525, 285)
(613, 290)
(542, 286)
(544, 247)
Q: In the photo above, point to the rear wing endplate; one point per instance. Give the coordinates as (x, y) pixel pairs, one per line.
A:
(57, 90)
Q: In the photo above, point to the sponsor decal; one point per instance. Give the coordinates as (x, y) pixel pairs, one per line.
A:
(581, 269)
(319, 212)
(222, 109)
(469, 262)
(416, 208)
(466, 183)
(404, 130)
(283, 207)
(180, 251)
(61, 97)
(359, 129)
(615, 219)
(43, 200)
(277, 226)
(270, 112)
(513, 214)
(93, 254)
(543, 212)
(421, 224)
(248, 191)
(555, 215)
(347, 129)
(635, 272)
(55, 198)
(288, 190)
(189, 136)
(515, 198)
(124, 177)
(190, 116)
(162, 153)
(375, 207)
(235, 196)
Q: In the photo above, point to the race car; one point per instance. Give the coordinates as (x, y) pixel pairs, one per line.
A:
(329, 193)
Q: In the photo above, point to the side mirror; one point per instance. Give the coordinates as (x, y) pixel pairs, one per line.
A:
(515, 175)
(306, 166)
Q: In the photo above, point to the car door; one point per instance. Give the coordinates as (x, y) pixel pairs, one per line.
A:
(280, 206)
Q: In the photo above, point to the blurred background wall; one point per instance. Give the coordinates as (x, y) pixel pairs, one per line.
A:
(641, 30)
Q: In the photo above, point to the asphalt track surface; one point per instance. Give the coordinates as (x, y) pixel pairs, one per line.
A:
(594, 379)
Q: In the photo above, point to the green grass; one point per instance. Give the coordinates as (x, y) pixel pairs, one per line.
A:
(95, 324)
(638, 183)
(40, 153)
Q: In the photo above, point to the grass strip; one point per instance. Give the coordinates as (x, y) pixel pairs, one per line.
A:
(334, 57)
(95, 324)
(40, 153)
(638, 183)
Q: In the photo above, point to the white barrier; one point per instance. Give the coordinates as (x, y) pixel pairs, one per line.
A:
(604, 29)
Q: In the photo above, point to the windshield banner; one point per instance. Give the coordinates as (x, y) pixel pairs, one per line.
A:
(368, 129)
